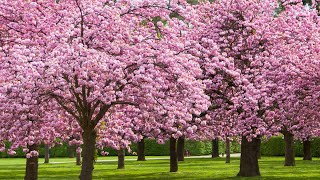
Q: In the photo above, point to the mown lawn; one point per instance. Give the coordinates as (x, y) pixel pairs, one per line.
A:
(197, 168)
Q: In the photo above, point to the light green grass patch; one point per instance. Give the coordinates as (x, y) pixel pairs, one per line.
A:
(195, 168)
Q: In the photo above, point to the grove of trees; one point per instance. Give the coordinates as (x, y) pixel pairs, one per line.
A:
(100, 73)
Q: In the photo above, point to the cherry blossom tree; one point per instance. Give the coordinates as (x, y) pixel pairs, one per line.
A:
(295, 56)
(118, 71)
(26, 117)
(117, 131)
(234, 34)
(90, 56)
(27, 123)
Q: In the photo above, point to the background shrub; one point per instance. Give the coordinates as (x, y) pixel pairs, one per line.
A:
(152, 148)
(276, 147)
(272, 147)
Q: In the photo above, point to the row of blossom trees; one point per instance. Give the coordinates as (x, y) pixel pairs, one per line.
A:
(109, 73)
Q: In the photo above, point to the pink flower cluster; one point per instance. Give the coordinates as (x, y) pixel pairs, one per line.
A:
(135, 69)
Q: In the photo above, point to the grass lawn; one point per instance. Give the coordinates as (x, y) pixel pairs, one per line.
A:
(195, 168)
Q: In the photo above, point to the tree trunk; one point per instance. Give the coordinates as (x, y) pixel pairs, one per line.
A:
(259, 148)
(121, 154)
(141, 155)
(32, 164)
(249, 161)
(46, 153)
(180, 149)
(89, 142)
(307, 155)
(173, 155)
(215, 148)
(78, 159)
(289, 151)
(227, 150)
(72, 149)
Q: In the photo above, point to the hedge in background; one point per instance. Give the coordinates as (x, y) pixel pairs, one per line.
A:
(152, 148)
(272, 147)
(195, 148)
(57, 151)
(276, 147)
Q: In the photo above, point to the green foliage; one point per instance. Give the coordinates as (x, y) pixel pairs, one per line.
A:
(315, 147)
(193, 2)
(198, 148)
(57, 151)
(307, 2)
(279, 9)
(176, 15)
(234, 147)
(152, 148)
(155, 20)
(276, 147)
(273, 147)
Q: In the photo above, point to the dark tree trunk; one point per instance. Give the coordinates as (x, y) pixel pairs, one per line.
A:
(215, 148)
(141, 155)
(72, 149)
(227, 150)
(46, 153)
(78, 159)
(249, 161)
(32, 165)
(180, 149)
(89, 142)
(173, 155)
(289, 151)
(259, 148)
(307, 155)
(121, 154)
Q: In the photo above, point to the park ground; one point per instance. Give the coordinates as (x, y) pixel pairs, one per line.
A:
(157, 167)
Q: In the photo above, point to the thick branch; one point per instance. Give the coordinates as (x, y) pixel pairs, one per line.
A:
(69, 110)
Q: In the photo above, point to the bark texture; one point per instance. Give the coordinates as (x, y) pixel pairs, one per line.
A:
(259, 148)
(141, 147)
(227, 150)
(289, 149)
(72, 149)
(307, 155)
(89, 142)
(180, 149)
(173, 155)
(32, 165)
(215, 148)
(121, 154)
(249, 161)
(78, 159)
(46, 153)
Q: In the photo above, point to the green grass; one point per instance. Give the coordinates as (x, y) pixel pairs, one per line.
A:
(198, 168)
